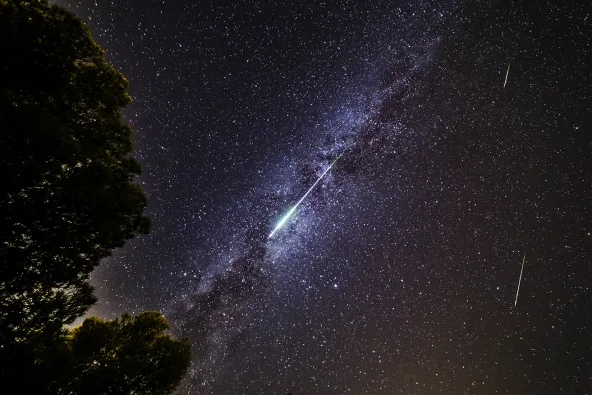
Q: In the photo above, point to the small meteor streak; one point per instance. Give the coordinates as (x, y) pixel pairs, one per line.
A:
(293, 209)
(507, 72)
(520, 279)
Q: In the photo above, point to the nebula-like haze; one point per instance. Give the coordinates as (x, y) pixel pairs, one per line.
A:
(372, 119)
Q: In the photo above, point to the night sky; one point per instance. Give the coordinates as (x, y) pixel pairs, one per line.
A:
(398, 273)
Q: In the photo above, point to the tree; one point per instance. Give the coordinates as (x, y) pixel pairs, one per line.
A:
(130, 355)
(68, 198)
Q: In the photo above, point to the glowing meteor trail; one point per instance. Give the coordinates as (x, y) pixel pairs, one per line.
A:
(293, 209)
(507, 72)
(520, 280)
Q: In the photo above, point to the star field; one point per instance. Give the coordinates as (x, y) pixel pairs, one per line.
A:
(398, 273)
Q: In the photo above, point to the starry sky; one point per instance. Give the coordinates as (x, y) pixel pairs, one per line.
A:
(398, 273)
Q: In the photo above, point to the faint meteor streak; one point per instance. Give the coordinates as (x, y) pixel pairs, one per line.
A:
(520, 279)
(507, 72)
(293, 209)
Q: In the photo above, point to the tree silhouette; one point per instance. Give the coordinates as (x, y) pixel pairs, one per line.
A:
(130, 355)
(66, 201)
(68, 197)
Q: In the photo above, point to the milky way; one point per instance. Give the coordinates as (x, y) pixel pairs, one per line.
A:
(217, 308)
(397, 273)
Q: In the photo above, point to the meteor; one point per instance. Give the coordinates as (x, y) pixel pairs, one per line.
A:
(520, 280)
(507, 72)
(293, 209)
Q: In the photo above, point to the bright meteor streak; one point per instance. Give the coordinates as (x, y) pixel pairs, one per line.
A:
(520, 280)
(293, 209)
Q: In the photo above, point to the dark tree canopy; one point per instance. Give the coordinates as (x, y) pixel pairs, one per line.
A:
(68, 197)
(131, 355)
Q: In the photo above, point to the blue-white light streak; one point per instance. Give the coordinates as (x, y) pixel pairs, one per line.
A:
(293, 209)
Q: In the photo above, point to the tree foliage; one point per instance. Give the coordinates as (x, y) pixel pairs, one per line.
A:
(125, 356)
(128, 355)
(68, 197)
